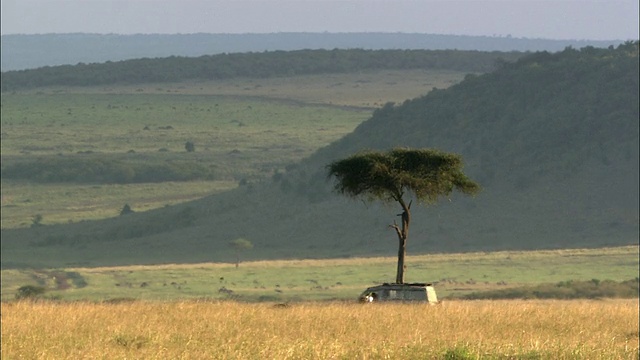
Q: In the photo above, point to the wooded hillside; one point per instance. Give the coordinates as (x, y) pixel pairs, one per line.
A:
(250, 65)
(546, 114)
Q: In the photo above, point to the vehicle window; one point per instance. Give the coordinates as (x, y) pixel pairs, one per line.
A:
(417, 294)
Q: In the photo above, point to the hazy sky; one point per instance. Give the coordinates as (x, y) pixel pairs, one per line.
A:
(552, 19)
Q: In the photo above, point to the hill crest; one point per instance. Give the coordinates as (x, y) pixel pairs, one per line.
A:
(21, 52)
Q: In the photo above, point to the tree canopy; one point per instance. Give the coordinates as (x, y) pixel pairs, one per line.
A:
(427, 173)
(238, 245)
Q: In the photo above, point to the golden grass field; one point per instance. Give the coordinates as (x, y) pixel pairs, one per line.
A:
(580, 329)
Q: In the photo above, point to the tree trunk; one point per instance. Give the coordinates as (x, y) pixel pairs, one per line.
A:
(402, 251)
(403, 234)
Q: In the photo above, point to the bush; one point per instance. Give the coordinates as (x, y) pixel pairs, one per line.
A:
(126, 210)
(30, 292)
(37, 220)
(458, 353)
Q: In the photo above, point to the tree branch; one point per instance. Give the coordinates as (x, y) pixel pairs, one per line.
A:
(397, 229)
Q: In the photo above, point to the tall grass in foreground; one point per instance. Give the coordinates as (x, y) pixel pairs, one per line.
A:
(228, 330)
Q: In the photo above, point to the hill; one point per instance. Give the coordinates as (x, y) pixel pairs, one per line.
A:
(552, 138)
(21, 52)
(250, 65)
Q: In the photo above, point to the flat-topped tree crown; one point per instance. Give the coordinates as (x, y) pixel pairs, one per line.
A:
(426, 173)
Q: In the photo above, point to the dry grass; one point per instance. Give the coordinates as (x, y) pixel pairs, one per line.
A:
(229, 330)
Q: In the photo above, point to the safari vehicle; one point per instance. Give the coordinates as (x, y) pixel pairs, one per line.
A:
(419, 292)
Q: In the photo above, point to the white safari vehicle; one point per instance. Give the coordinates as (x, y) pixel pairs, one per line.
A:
(421, 292)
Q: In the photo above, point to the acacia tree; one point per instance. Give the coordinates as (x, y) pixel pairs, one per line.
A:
(427, 174)
(238, 245)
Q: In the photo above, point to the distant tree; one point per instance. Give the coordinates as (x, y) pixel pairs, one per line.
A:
(126, 210)
(238, 245)
(190, 146)
(426, 173)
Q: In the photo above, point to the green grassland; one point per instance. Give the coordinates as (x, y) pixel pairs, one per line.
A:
(328, 279)
(60, 203)
(244, 130)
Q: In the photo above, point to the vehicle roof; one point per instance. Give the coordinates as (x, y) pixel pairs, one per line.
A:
(405, 286)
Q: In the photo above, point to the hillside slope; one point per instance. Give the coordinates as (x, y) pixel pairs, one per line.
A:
(553, 140)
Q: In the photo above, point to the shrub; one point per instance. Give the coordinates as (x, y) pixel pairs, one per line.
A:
(126, 210)
(37, 220)
(458, 353)
(29, 292)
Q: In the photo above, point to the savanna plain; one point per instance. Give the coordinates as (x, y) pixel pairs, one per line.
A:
(242, 130)
(277, 309)
(307, 309)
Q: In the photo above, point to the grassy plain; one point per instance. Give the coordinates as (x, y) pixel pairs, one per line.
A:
(60, 203)
(229, 330)
(244, 128)
(326, 279)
